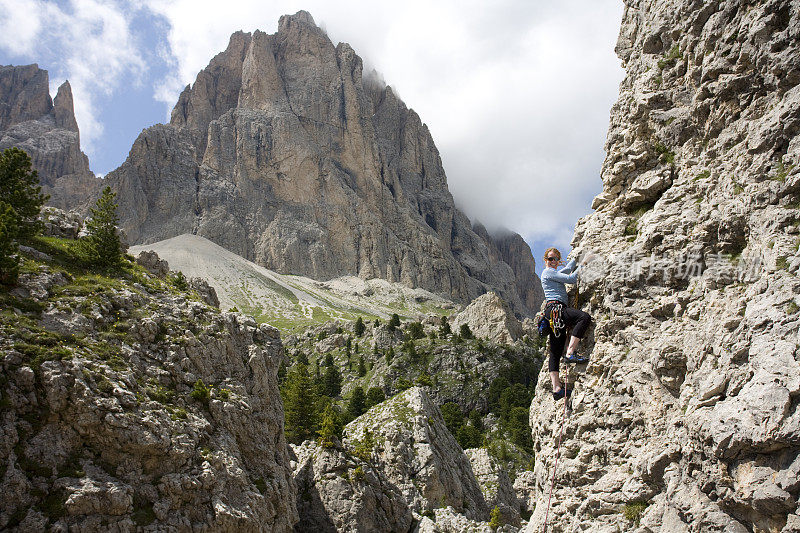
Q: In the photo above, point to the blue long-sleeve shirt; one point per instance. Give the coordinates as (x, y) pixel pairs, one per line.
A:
(553, 281)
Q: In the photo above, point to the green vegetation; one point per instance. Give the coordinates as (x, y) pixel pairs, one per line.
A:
(703, 175)
(495, 518)
(782, 171)
(300, 405)
(632, 227)
(201, 392)
(465, 333)
(19, 189)
(358, 327)
(666, 155)
(633, 511)
(328, 428)
(9, 260)
(670, 58)
(792, 308)
(102, 244)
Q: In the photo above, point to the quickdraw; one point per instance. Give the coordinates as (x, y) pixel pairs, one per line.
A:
(554, 311)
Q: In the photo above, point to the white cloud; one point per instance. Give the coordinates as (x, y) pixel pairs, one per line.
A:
(91, 40)
(19, 25)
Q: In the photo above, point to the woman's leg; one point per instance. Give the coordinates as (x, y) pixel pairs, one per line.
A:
(580, 323)
(556, 349)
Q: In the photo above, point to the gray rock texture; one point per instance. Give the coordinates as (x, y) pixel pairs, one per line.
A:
(495, 485)
(686, 418)
(284, 153)
(46, 129)
(338, 491)
(127, 404)
(416, 452)
(489, 317)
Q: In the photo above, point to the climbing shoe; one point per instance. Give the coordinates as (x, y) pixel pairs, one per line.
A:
(560, 394)
(574, 359)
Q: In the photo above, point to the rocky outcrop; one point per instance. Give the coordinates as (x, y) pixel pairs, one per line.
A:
(126, 404)
(489, 317)
(338, 491)
(283, 153)
(47, 130)
(495, 485)
(686, 419)
(409, 442)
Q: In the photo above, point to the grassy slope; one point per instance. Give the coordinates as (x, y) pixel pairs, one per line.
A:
(290, 303)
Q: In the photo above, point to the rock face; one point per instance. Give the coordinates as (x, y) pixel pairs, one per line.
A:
(416, 452)
(687, 419)
(340, 492)
(284, 153)
(489, 317)
(495, 485)
(46, 129)
(126, 406)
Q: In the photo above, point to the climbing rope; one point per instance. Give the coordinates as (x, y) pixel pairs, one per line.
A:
(558, 450)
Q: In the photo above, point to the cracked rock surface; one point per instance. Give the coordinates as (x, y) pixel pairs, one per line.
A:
(686, 417)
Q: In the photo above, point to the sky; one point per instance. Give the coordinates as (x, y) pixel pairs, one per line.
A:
(516, 93)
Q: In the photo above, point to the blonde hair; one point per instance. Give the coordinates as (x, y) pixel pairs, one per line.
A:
(547, 252)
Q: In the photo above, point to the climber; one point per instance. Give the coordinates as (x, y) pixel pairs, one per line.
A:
(562, 317)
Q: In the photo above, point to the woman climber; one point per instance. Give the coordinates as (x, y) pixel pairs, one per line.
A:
(562, 317)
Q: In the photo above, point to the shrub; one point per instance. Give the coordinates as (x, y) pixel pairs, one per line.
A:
(633, 511)
(201, 393)
(495, 518)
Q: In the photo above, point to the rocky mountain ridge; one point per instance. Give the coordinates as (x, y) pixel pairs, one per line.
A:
(686, 417)
(46, 129)
(127, 402)
(285, 154)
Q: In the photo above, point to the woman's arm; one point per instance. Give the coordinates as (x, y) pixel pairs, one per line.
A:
(569, 267)
(563, 277)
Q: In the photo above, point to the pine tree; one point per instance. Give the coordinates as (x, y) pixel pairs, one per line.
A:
(358, 403)
(299, 405)
(19, 188)
(359, 327)
(465, 332)
(362, 369)
(444, 328)
(375, 396)
(394, 321)
(9, 260)
(332, 381)
(103, 247)
(328, 427)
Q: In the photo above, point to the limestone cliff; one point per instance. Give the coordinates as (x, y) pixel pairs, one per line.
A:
(284, 153)
(128, 403)
(46, 129)
(686, 418)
